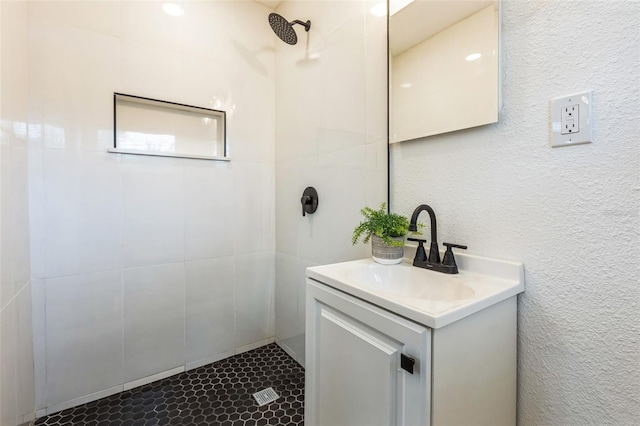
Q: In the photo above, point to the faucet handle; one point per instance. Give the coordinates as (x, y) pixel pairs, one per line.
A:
(449, 259)
(449, 245)
(416, 239)
(420, 253)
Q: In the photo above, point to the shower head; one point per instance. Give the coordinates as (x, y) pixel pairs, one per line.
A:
(284, 29)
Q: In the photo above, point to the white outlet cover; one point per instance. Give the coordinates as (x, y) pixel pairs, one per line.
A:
(585, 132)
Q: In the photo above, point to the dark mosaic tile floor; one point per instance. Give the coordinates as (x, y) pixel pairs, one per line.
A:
(216, 394)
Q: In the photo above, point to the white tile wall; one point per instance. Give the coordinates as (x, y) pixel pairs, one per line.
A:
(345, 91)
(205, 82)
(254, 205)
(286, 296)
(102, 17)
(174, 230)
(332, 138)
(84, 334)
(36, 214)
(20, 218)
(302, 265)
(153, 225)
(210, 308)
(9, 358)
(154, 319)
(7, 290)
(14, 77)
(16, 347)
(151, 71)
(289, 188)
(208, 189)
(14, 227)
(25, 389)
(300, 120)
(254, 282)
(145, 22)
(207, 41)
(290, 303)
(82, 212)
(312, 230)
(39, 324)
(77, 106)
(344, 207)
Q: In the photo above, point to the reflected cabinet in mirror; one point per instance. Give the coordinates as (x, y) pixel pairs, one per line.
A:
(444, 65)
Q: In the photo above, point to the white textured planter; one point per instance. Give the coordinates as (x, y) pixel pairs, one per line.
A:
(385, 254)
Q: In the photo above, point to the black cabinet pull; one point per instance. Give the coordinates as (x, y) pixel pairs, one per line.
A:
(407, 363)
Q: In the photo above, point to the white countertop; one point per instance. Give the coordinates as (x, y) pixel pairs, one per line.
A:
(427, 297)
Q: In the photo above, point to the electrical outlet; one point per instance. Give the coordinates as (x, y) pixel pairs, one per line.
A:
(571, 120)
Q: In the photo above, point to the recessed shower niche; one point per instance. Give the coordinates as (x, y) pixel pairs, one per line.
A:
(153, 127)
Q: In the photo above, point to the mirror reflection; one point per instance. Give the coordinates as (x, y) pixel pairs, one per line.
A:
(444, 66)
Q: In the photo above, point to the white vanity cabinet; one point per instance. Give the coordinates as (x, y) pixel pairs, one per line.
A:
(464, 372)
(353, 368)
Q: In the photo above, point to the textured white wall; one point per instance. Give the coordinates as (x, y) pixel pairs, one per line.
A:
(570, 214)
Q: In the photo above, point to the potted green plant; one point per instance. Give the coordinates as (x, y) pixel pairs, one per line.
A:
(386, 232)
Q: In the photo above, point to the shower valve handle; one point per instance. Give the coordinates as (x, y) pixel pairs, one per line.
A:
(305, 201)
(309, 200)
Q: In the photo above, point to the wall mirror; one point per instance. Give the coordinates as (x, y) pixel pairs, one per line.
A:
(152, 127)
(444, 66)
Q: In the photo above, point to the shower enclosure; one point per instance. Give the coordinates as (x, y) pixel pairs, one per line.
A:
(139, 267)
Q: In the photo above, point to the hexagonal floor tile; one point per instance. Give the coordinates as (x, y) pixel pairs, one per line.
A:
(214, 394)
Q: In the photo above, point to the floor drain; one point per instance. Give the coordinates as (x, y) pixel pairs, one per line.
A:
(265, 396)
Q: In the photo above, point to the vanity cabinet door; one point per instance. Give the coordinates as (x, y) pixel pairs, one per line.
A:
(354, 374)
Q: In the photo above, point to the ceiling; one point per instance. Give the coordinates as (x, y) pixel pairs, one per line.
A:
(420, 19)
(271, 4)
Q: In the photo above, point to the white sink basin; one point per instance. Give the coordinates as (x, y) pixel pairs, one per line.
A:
(411, 282)
(428, 297)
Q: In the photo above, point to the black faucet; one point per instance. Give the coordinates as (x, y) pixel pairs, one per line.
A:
(448, 264)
